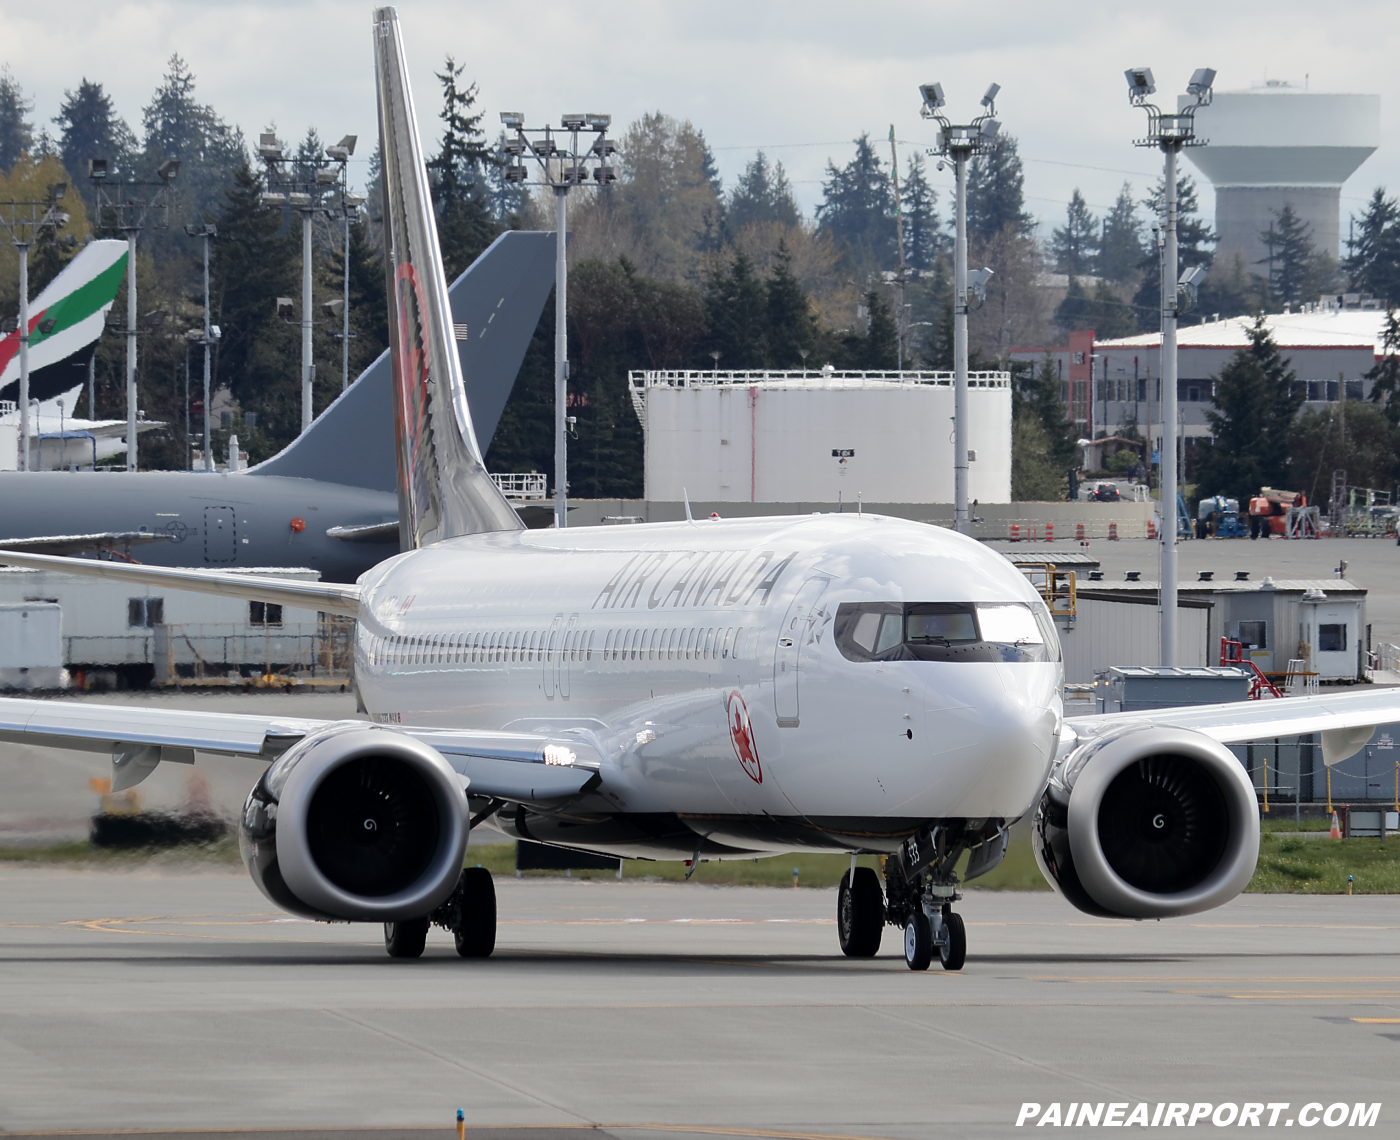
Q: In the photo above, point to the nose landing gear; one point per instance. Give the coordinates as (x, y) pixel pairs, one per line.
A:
(922, 887)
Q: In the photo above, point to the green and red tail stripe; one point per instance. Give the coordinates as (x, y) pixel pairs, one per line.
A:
(65, 321)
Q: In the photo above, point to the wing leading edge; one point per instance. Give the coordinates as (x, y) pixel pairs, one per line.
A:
(1339, 717)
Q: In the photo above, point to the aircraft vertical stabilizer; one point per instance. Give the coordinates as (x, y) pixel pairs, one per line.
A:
(444, 490)
(65, 322)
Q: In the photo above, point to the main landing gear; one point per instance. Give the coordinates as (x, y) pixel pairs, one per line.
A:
(469, 913)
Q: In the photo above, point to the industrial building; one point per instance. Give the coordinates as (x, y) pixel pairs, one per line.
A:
(1110, 385)
(1277, 145)
(819, 437)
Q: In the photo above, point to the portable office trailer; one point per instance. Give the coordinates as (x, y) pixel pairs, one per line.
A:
(116, 633)
(31, 646)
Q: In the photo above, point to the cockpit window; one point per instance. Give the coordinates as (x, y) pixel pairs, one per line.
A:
(944, 631)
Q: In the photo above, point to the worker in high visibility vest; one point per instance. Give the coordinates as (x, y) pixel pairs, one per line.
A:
(1259, 511)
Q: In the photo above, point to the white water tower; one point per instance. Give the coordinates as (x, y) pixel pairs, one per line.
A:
(1278, 145)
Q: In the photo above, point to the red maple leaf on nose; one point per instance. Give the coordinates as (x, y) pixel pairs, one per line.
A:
(741, 735)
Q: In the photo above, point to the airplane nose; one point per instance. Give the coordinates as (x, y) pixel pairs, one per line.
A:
(989, 755)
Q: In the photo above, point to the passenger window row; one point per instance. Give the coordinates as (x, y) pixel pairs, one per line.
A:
(710, 644)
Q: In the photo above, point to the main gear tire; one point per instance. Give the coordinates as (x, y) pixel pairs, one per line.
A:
(406, 939)
(475, 935)
(860, 914)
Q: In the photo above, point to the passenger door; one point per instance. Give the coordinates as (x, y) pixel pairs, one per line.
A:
(547, 656)
(220, 535)
(566, 647)
(792, 636)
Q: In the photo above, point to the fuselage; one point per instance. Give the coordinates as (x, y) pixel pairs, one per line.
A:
(715, 665)
(213, 519)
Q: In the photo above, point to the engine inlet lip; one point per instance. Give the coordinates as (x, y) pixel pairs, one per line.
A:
(298, 865)
(1110, 755)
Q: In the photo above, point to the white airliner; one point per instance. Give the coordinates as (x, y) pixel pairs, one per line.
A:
(697, 690)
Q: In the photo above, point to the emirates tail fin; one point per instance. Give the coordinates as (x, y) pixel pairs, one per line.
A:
(444, 489)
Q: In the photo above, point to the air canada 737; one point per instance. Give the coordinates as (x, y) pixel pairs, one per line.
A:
(696, 690)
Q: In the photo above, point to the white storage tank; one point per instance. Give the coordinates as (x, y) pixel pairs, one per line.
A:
(820, 437)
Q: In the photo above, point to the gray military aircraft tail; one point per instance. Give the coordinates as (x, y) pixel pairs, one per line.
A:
(329, 500)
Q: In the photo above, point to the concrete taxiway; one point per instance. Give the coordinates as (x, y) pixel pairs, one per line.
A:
(182, 1000)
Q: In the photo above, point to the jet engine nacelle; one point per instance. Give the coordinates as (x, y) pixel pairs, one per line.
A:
(356, 823)
(1148, 822)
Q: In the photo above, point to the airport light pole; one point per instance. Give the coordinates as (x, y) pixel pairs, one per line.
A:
(133, 206)
(1170, 133)
(960, 143)
(211, 334)
(303, 196)
(23, 231)
(561, 168)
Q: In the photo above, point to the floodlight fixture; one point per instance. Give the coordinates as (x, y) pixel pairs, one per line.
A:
(168, 169)
(515, 147)
(327, 176)
(1202, 80)
(977, 282)
(285, 308)
(574, 122)
(605, 174)
(990, 98)
(513, 120)
(1140, 84)
(516, 174)
(990, 129)
(933, 97)
(342, 150)
(56, 192)
(334, 309)
(298, 201)
(599, 122)
(269, 149)
(604, 146)
(1193, 276)
(354, 201)
(97, 168)
(273, 200)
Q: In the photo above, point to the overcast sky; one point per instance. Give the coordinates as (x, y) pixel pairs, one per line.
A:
(798, 80)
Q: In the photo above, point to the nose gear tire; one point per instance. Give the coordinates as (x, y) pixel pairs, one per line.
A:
(918, 941)
(860, 914)
(953, 952)
(406, 939)
(475, 933)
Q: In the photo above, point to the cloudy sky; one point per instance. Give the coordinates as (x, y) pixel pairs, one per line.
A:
(799, 80)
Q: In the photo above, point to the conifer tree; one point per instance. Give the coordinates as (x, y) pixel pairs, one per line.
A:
(1255, 404)
(1385, 373)
(792, 329)
(1373, 253)
(91, 128)
(16, 131)
(465, 224)
(1075, 245)
(1121, 253)
(923, 237)
(857, 208)
(996, 193)
(762, 194)
(1290, 254)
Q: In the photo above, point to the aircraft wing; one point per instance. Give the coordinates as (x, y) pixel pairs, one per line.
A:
(1346, 720)
(329, 597)
(80, 543)
(371, 532)
(514, 766)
